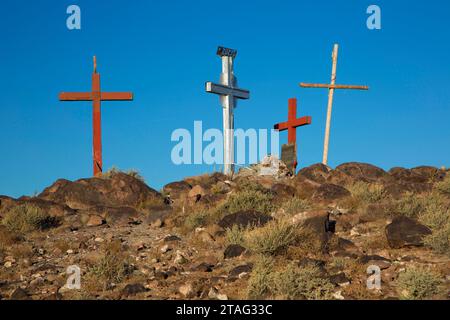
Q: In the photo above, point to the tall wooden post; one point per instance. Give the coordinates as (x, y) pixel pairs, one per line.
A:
(331, 87)
(330, 105)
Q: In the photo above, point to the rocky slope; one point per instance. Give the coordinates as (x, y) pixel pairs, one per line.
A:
(273, 236)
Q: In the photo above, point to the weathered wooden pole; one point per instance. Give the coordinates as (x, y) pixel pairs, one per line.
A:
(330, 105)
(331, 87)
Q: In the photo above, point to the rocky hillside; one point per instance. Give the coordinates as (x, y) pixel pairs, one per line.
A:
(262, 234)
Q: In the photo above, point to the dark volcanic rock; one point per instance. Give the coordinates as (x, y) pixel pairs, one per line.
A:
(20, 294)
(176, 189)
(339, 279)
(318, 223)
(283, 190)
(119, 189)
(397, 190)
(403, 232)
(133, 289)
(172, 238)
(330, 192)
(233, 251)
(203, 267)
(407, 176)
(362, 171)
(244, 219)
(247, 268)
(317, 172)
(429, 173)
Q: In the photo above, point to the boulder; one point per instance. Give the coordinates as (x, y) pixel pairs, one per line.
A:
(305, 188)
(245, 268)
(330, 192)
(20, 294)
(177, 189)
(233, 251)
(206, 181)
(429, 173)
(405, 232)
(196, 193)
(95, 221)
(118, 189)
(398, 189)
(244, 219)
(319, 225)
(133, 289)
(362, 171)
(281, 190)
(317, 172)
(407, 176)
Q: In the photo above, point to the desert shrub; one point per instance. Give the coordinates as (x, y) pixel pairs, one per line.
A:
(272, 238)
(259, 282)
(151, 203)
(296, 282)
(439, 240)
(367, 192)
(289, 282)
(114, 170)
(247, 200)
(436, 215)
(195, 220)
(307, 240)
(409, 205)
(235, 235)
(135, 174)
(7, 238)
(418, 283)
(26, 218)
(113, 266)
(444, 186)
(296, 205)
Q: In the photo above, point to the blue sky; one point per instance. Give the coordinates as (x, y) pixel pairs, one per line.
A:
(164, 51)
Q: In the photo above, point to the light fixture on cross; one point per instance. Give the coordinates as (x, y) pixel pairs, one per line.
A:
(229, 93)
(96, 96)
(291, 126)
(331, 87)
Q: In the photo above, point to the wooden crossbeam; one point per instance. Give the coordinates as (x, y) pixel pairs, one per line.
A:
(331, 87)
(335, 86)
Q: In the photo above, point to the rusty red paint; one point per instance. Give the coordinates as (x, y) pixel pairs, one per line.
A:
(96, 96)
(293, 122)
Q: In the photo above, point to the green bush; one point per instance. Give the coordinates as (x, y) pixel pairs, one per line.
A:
(444, 186)
(272, 238)
(410, 205)
(367, 192)
(258, 285)
(113, 265)
(296, 282)
(418, 283)
(196, 220)
(290, 282)
(439, 240)
(296, 205)
(26, 218)
(235, 235)
(247, 200)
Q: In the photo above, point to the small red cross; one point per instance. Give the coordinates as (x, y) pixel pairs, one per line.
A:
(292, 123)
(96, 96)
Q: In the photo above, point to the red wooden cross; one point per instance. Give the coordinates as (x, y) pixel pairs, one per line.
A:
(292, 123)
(96, 96)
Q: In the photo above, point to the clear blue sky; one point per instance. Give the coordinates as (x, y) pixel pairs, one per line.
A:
(164, 51)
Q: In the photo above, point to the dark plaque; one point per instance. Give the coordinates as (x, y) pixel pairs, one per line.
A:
(289, 156)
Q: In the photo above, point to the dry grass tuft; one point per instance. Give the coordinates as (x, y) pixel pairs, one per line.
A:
(418, 283)
(26, 218)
